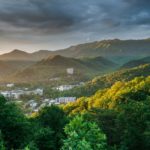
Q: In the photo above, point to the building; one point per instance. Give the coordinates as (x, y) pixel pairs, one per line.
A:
(64, 100)
(12, 94)
(15, 94)
(32, 104)
(6, 94)
(64, 87)
(10, 85)
(70, 71)
(38, 92)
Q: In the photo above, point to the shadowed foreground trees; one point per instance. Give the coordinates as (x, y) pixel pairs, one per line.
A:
(14, 126)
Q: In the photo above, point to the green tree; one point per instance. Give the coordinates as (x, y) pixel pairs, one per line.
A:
(134, 124)
(44, 139)
(2, 147)
(82, 135)
(14, 126)
(55, 119)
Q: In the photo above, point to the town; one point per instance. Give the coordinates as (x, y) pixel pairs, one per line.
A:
(34, 105)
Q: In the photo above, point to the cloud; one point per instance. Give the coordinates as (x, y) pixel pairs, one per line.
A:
(74, 20)
(52, 17)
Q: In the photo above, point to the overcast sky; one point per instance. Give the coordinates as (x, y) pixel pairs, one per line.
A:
(54, 24)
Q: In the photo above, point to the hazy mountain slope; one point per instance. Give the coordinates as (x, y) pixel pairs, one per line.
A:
(55, 66)
(19, 55)
(41, 54)
(120, 51)
(115, 49)
(8, 68)
(5, 69)
(15, 55)
(135, 63)
(98, 62)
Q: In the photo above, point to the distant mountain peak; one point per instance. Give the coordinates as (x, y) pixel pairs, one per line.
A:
(58, 59)
(17, 51)
(15, 55)
(52, 57)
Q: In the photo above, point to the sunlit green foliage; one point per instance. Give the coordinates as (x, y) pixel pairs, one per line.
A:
(119, 93)
(122, 112)
(82, 135)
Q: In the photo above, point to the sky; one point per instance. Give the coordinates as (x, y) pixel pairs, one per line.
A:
(32, 25)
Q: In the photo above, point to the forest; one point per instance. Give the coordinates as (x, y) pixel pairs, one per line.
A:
(114, 118)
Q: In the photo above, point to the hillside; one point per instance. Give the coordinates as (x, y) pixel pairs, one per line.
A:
(15, 55)
(122, 112)
(41, 54)
(5, 68)
(8, 68)
(118, 50)
(98, 62)
(135, 63)
(136, 90)
(55, 67)
(106, 81)
(19, 55)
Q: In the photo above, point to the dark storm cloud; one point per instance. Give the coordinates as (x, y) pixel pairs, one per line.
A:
(42, 15)
(54, 16)
(73, 20)
(137, 12)
(50, 15)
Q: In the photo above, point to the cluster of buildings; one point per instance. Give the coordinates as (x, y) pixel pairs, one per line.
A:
(35, 106)
(62, 88)
(15, 94)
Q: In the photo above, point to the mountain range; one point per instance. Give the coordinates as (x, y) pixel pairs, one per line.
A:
(87, 60)
(120, 51)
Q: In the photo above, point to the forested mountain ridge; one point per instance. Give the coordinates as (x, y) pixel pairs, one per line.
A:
(108, 80)
(137, 62)
(56, 66)
(119, 50)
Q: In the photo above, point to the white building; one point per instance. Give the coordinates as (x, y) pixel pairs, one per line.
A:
(70, 71)
(6, 94)
(15, 94)
(38, 92)
(65, 87)
(12, 94)
(65, 99)
(32, 103)
(10, 85)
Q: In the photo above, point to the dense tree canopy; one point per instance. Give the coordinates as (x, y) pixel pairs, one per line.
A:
(121, 111)
(110, 98)
(114, 118)
(14, 126)
(82, 135)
